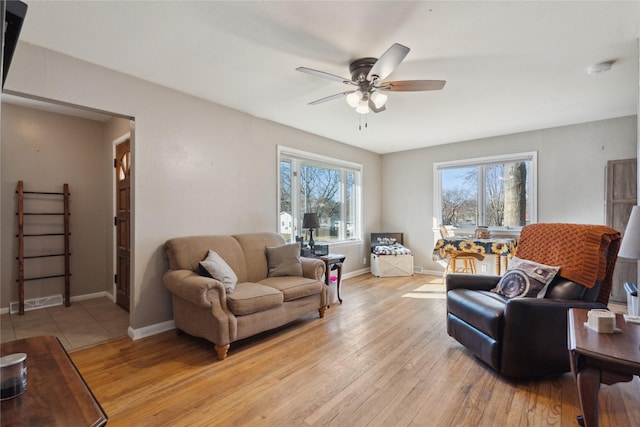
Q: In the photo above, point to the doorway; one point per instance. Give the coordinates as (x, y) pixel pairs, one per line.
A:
(622, 195)
(68, 139)
(122, 163)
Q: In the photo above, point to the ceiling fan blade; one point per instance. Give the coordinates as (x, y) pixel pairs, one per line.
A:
(388, 61)
(325, 75)
(372, 107)
(413, 85)
(329, 98)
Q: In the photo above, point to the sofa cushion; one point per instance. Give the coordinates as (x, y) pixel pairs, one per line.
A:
(284, 260)
(216, 267)
(251, 297)
(482, 309)
(294, 287)
(185, 253)
(525, 278)
(253, 245)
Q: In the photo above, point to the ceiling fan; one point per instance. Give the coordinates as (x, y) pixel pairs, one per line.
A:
(367, 75)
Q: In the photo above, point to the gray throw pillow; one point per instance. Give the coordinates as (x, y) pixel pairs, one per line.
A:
(218, 269)
(284, 260)
(525, 278)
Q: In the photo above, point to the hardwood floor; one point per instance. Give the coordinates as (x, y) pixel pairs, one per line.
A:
(382, 358)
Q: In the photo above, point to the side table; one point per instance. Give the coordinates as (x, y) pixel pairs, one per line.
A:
(332, 262)
(56, 392)
(600, 358)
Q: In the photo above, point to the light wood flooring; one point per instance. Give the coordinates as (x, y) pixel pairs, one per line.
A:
(382, 358)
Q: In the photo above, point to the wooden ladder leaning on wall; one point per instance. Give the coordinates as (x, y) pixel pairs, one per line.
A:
(21, 241)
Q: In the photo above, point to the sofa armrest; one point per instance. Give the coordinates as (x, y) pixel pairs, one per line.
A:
(479, 282)
(199, 290)
(313, 268)
(534, 338)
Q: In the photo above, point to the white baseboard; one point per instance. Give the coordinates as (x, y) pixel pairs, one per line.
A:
(356, 273)
(432, 272)
(92, 296)
(147, 331)
(368, 270)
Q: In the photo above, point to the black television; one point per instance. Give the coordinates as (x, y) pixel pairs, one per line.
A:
(14, 14)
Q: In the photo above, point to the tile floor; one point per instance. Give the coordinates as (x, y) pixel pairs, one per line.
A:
(83, 324)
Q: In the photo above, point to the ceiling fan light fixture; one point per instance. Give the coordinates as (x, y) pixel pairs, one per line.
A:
(367, 75)
(379, 99)
(353, 99)
(363, 106)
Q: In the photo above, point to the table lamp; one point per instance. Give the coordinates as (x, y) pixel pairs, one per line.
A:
(310, 221)
(630, 248)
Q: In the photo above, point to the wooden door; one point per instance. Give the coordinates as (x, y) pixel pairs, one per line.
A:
(123, 222)
(622, 195)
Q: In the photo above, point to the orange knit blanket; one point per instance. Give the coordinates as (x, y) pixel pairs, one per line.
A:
(584, 253)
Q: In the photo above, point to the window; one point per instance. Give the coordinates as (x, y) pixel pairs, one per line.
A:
(309, 183)
(497, 192)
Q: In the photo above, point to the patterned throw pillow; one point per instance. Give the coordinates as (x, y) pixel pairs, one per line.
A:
(386, 240)
(525, 278)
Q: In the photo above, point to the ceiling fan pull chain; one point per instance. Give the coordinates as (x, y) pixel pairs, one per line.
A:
(366, 121)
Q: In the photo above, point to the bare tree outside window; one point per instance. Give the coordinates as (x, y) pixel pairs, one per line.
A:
(494, 191)
(320, 190)
(493, 194)
(459, 197)
(323, 186)
(515, 202)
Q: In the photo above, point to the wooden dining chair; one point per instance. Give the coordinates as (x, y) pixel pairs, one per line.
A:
(459, 261)
(467, 262)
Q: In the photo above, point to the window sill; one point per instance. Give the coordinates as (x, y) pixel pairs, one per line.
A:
(342, 243)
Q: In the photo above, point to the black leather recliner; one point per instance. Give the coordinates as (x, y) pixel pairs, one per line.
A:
(524, 337)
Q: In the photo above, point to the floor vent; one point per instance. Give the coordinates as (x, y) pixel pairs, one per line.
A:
(417, 269)
(36, 303)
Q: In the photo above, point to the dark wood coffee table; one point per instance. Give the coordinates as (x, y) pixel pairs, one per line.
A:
(56, 393)
(600, 358)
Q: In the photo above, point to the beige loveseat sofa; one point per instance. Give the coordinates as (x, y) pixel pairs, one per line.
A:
(202, 307)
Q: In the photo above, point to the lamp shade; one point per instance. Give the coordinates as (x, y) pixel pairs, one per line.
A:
(630, 247)
(310, 220)
(353, 99)
(363, 106)
(379, 99)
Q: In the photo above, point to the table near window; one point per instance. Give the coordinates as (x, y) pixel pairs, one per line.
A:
(331, 262)
(501, 248)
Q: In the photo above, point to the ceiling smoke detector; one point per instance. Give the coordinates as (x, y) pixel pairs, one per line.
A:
(600, 68)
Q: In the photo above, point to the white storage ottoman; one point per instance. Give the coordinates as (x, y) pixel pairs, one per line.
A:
(391, 265)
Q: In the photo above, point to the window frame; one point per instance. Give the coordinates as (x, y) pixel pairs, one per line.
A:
(345, 166)
(531, 156)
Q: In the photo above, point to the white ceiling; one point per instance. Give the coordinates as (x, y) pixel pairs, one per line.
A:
(510, 66)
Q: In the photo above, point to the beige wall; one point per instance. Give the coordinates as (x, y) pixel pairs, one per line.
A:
(571, 176)
(46, 150)
(203, 168)
(198, 167)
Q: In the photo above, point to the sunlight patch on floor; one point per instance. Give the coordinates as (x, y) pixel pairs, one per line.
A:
(427, 291)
